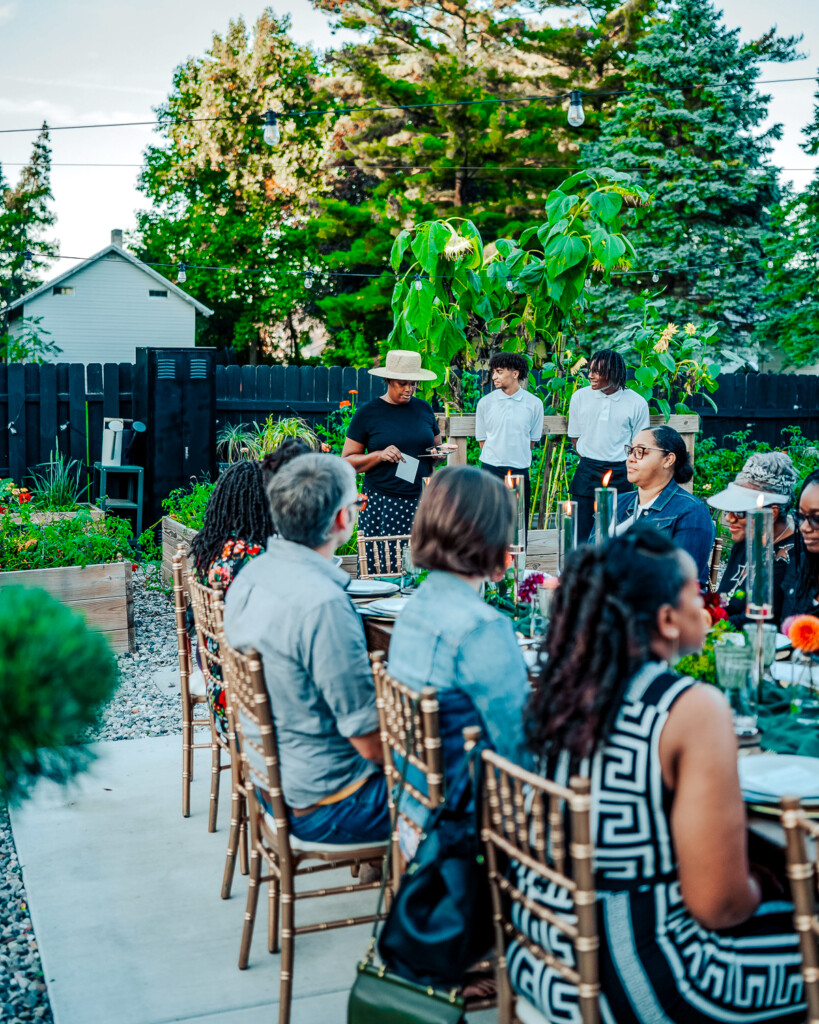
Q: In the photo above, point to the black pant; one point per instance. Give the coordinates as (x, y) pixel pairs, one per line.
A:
(501, 472)
(587, 476)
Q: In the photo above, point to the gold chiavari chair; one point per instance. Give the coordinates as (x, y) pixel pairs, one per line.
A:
(803, 875)
(522, 821)
(208, 615)
(386, 555)
(409, 727)
(190, 699)
(714, 564)
(285, 856)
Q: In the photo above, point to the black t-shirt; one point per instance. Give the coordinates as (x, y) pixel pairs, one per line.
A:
(735, 577)
(412, 428)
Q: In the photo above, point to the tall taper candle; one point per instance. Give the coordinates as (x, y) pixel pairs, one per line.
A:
(605, 513)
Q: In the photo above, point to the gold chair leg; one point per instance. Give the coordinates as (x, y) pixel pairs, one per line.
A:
(250, 909)
(286, 983)
(234, 839)
(215, 772)
(243, 829)
(187, 767)
(273, 915)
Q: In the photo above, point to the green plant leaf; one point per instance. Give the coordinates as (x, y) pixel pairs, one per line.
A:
(606, 205)
(563, 253)
(399, 247)
(429, 243)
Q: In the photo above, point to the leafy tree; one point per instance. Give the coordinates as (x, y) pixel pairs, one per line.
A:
(31, 344)
(221, 196)
(688, 130)
(790, 308)
(493, 163)
(26, 215)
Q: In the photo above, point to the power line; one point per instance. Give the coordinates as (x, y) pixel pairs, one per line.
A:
(321, 112)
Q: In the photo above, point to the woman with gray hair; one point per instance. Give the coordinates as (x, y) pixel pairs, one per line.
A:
(773, 475)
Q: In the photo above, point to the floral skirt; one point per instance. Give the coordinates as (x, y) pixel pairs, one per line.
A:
(385, 516)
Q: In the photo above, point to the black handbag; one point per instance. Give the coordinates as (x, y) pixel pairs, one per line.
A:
(380, 996)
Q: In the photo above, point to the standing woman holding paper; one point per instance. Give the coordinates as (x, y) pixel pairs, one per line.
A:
(389, 441)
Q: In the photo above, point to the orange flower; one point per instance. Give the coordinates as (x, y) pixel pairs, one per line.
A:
(804, 633)
(352, 391)
(343, 404)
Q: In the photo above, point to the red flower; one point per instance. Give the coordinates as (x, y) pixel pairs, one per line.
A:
(528, 587)
(344, 404)
(134, 566)
(803, 633)
(24, 497)
(713, 605)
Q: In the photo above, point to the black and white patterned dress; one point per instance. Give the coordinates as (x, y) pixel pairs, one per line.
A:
(657, 964)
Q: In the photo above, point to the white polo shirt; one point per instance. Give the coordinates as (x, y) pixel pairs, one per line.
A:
(508, 424)
(604, 424)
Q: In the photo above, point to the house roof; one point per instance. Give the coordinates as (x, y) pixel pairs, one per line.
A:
(130, 258)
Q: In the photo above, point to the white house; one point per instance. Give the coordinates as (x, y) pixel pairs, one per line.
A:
(104, 308)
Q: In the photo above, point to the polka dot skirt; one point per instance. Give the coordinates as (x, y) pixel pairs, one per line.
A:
(386, 517)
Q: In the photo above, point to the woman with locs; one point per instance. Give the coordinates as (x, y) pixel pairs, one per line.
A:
(801, 583)
(690, 932)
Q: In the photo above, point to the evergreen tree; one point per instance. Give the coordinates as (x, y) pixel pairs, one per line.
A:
(790, 310)
(492, 163)
(26, 215)
(688, 131)
(224, 198)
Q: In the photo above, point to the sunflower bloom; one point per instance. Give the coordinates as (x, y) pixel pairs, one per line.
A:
(690, 329)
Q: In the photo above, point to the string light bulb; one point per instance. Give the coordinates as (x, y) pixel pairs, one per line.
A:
(308, 278)
(655, 277)
(588, 282)
(510, 284)
(717, 272)
(770, 264)
(272, 134)
(417, 282)
(181, 274)
(28, 262)
(576, 114)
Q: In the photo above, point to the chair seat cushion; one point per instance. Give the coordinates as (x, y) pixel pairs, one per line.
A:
(303, 846)
(526, 1013)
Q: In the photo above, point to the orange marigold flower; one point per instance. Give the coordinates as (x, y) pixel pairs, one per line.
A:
(352, 391)
(804, 633)
(343, 404)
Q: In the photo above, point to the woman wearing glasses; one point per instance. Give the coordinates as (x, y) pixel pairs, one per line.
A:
(658, 462)
(772, 475)
(801, 585)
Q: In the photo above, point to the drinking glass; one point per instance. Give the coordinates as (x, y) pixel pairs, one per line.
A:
(734, 675)
(768, 643)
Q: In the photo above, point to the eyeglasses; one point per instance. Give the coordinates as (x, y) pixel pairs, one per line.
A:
(811, 518)
(639, 450)
(736, 515)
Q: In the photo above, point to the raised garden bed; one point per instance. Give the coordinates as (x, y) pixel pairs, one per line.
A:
(103, 592)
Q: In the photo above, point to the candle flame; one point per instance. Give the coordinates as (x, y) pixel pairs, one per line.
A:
(606, 478)
(760, 501)
(508, 479)
(568, 508)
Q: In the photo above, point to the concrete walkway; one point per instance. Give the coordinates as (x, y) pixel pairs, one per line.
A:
(124, 896)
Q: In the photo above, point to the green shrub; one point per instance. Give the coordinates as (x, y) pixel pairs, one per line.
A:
(79, 540)
(56, 676)
(187, 505)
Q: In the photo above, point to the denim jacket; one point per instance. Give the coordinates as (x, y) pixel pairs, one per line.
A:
(683, 517)
(449, 638)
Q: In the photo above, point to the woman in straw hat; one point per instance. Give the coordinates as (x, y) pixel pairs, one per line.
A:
(380, 436)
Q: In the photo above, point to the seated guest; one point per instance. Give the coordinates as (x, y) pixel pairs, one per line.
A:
(801, 583)
(448, 636)
(772, 475)
(236, 528)
(291, 605)
(685, 931)
(658, 462)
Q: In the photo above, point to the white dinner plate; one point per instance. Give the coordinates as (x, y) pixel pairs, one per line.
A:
(388, 606)
(765, 778)
(371, 588)
(782, 642)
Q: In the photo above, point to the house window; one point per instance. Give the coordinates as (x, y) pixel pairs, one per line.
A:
(62, 290)
(157, 293)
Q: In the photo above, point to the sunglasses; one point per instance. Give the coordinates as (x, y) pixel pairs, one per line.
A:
(811, 518)
(639, 450)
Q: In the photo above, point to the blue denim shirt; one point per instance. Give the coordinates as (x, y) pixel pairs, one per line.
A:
(449, 638)
(683, 517)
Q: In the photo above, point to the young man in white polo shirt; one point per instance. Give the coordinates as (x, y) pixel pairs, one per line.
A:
(509, 420)
(603, 419)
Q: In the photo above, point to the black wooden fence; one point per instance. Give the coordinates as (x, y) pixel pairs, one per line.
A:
(61, 406)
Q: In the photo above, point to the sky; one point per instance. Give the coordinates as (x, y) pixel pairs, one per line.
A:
(107, 60)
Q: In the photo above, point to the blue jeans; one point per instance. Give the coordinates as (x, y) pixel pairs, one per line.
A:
(362, 817)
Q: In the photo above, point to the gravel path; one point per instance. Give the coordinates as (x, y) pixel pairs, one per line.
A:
(140, 708)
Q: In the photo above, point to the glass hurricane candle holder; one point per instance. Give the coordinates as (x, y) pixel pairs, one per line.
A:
(566, 531)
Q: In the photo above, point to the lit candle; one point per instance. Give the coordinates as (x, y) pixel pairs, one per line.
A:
(566, 531)
(605, 510)
(759, 556)
(515, 484)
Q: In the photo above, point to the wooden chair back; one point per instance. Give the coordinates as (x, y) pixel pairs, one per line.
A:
(208, 616)
(714, 564)
(523, 819)
(410, 732)
(180, 607)
(803, 875)
(386, 555)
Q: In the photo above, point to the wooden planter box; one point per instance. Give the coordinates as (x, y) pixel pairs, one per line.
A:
(173, 534)
(52, 517)
(103, 592)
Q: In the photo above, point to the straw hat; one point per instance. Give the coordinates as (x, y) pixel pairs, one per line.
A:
(744, 499)
(402, 364)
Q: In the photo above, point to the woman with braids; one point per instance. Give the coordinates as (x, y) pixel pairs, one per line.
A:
(801, 585)
(236, 529)
(602, 419)
(688, 932)
(658, 462)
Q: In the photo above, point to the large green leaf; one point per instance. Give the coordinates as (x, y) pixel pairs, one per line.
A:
(546, 233)
(399, 247)
(563, 253)
(428, 244)
(645, 375)
(418, 311)
(607, 248)
(469, 230)
(606, 205)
